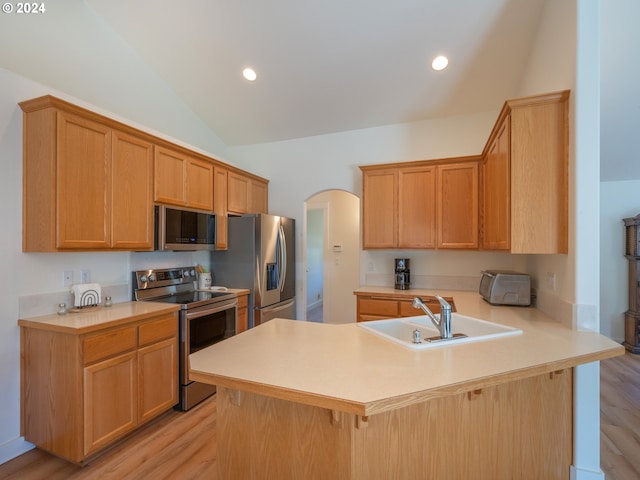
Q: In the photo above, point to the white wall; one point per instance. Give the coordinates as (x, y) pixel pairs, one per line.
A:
(618, 200)
(70, 49)
(552, 67)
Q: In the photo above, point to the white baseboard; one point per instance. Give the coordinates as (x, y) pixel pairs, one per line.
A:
(314, 304)
(582, 474)
(14, 448)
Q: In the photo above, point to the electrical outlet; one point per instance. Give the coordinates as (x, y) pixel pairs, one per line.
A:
(67, 278)
(85, 276)
(551, 281)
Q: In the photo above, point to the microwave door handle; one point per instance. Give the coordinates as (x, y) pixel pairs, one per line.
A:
(218, 308)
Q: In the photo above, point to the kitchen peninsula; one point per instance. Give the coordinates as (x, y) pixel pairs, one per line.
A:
(307, 400)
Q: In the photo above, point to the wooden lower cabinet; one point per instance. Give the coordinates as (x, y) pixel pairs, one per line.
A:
(517, 429)
(110, 397)
(380, 307)
(242, 320)
(80, 393)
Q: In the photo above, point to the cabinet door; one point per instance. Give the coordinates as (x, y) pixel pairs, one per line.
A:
(380, 208)
(259, 197)
(170, 177)
(539, 187)
(158, 378)
(458, 205)
(242, 322)
(83, 183)
(417, 207)
(199, 184)
(110, 399)
(239, 193)
(220, 206)
(132, 198)
(496, 192)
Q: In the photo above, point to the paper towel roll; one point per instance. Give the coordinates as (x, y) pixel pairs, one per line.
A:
(86, 295)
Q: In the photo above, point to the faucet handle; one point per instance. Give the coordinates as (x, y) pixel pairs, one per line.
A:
(444, 305)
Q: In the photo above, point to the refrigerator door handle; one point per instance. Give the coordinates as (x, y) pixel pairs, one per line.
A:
(282, 258)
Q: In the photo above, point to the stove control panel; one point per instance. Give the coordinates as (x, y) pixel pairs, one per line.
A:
(144, 279)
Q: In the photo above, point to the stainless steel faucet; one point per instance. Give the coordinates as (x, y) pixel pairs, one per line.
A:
(444, 323)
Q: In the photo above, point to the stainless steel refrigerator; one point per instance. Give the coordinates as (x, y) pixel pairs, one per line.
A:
(261, 257)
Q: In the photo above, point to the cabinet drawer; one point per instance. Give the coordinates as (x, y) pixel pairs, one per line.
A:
(377, 306)
(104, 345)
(157, 330)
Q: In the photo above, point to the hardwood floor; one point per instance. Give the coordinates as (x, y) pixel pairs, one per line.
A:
(620, 417)
(178, 445)
(183, 446)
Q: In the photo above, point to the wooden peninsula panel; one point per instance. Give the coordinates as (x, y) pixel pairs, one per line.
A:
(492, 433)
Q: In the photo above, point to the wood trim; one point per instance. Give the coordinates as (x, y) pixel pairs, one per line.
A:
(421, 163)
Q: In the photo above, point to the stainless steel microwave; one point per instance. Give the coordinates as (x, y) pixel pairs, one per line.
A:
(183, 229)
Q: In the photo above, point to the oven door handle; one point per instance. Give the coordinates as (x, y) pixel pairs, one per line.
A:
(212, 309)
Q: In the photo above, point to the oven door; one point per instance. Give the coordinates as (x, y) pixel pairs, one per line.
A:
(204, 326)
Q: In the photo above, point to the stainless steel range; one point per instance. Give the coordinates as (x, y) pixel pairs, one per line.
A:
(206, 317)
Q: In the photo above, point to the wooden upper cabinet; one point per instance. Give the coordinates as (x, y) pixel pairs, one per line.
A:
(246, 194)
(238, 193)
(496, 191)
(259, 196)
(220, 208)
(83, 183)
(417, 207)
(458, 205)
(430, 204)
(182, 180)
(90, 182)
(380, 208)
(132, 192)
(200, 184)
(526, 166)
(86, 185)
(170, 180)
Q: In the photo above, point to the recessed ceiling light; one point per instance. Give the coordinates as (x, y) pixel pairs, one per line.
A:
(440, 63)
(249, 74)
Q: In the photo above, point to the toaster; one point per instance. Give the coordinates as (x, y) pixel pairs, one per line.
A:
(504, 287)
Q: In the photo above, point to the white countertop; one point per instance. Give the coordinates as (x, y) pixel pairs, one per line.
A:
(346, 368)
(99, 317)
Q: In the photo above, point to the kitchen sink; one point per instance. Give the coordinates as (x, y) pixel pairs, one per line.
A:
(465, 330)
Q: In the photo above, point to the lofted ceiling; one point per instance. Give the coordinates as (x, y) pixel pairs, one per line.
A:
(328, 66)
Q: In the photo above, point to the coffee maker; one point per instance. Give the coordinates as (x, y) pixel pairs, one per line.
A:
(402, 274)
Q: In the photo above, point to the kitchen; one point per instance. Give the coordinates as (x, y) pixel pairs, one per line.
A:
(42, 271)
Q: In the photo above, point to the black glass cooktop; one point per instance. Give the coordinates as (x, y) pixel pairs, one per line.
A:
(187, 298)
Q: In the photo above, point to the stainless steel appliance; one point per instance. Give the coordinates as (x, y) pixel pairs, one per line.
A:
(505, 287)
(205, 318)
(261, 257)
(182, 229)
(402, 274)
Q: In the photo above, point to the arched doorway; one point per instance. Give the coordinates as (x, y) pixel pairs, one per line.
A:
(331, 256)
